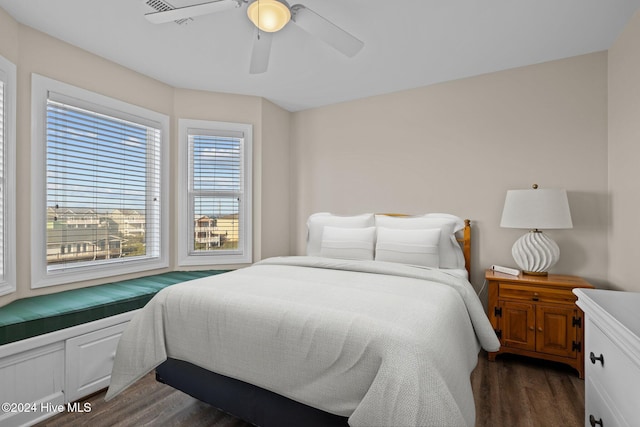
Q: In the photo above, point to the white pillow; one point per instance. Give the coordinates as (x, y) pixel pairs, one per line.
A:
(414, 247)
(348, 243)
(459, 222)
(317, 221)
(451, 255)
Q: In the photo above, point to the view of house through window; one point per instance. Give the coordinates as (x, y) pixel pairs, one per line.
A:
(102, 187)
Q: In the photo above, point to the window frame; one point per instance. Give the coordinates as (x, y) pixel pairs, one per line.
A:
(8, 75)
(185, 210)
(40, 275)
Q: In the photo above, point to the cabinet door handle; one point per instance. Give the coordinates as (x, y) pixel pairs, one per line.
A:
(594, 423)
(594, 358)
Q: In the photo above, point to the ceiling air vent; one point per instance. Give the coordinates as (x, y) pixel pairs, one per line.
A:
(163, 6)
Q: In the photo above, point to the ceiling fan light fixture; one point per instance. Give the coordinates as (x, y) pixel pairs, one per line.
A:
(269, 15)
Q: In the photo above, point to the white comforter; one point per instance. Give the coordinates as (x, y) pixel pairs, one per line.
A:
(381, 343)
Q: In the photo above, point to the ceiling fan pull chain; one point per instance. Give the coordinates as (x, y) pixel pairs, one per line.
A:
(258, 19)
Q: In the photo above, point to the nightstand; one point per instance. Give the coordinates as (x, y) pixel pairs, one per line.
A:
(536, 316)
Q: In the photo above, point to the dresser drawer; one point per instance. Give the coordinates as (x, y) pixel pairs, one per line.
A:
(615, 376)
(598, 411)
(533, 293)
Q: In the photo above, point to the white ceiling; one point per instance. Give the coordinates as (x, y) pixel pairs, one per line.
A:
(408, 43)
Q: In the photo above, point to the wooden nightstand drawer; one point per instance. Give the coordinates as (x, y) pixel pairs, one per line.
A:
(532, 293)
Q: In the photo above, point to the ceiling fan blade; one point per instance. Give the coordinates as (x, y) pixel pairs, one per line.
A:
(260, 52)
(325, 30)
(190, 11)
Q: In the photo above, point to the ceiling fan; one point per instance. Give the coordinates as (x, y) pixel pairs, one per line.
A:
(269, 16)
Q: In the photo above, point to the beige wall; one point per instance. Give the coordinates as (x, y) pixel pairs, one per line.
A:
(276, 178)
(624, 158)
(457, 147)
(454, 147)
(8, 37)
(35, 52)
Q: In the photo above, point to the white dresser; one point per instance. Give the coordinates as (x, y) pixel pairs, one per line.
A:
(612, 357)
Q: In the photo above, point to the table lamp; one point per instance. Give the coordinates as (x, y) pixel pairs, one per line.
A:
(536, 209)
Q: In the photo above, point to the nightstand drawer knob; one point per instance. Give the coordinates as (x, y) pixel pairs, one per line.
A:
(594, 358)
(593, 422)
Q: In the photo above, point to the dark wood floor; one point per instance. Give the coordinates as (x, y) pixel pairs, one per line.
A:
(523, 392)
(510, 392)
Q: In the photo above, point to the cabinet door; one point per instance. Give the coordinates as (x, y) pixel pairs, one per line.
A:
(89, 361)
(555, 333)
(518, 325)
(33, 377)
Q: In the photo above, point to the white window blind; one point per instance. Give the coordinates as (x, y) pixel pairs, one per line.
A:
(102, 187)
(2, 178)
(216, 191)
(7, 176)
(215, 223)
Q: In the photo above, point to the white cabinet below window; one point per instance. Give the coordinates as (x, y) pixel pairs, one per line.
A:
(612, 357)
(57, 368)
(89, 359)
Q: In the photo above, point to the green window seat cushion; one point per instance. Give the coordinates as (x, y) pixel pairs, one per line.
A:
(38, 315)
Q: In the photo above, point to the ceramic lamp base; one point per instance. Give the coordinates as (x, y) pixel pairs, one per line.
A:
(535, 253)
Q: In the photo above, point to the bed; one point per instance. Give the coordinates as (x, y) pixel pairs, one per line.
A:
(376, 326)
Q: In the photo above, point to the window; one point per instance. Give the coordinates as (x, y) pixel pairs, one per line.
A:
(98, 185)
(215, 193)
(7, 174)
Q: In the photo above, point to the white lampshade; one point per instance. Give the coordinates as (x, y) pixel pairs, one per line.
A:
(269, 15)
(536, 209)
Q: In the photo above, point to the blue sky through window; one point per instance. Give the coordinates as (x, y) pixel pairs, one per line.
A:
(95, 161)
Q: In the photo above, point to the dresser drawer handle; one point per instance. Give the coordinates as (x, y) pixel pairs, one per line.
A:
(594, 358)
(593, 422)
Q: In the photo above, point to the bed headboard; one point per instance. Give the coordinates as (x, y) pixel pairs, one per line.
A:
(465, 244)
(464, 240)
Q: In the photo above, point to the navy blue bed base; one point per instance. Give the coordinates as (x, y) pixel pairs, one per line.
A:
(253, 404)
